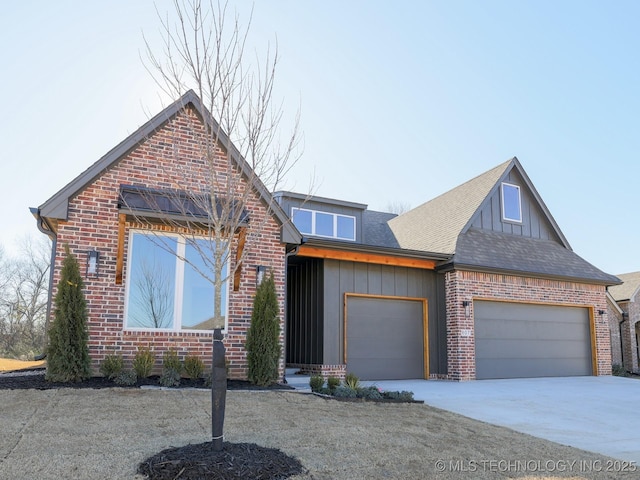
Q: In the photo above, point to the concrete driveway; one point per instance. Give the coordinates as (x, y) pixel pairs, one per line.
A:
(598, 414)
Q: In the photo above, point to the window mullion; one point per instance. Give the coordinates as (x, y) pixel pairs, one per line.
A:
(177, 311)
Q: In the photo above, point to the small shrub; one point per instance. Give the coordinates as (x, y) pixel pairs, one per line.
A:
(619, 370)
(391, 395)
(170, 378)
(369, 393)
(126, 378)
(111, 366)
(143, 362)
(333, 382)
(193, 367)
(406, 396)
(352, 381)
(344, 392)
(316, 382)
(171, 361)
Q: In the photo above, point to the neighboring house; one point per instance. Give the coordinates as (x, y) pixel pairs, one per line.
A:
(478, 283)
(100, 211)
(626, 308)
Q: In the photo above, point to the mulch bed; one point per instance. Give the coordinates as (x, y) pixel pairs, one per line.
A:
(35, 379)
(235, 461)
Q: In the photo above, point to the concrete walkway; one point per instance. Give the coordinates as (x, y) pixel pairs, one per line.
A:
(598, 414)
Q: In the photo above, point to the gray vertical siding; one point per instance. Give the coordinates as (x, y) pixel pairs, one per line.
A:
(342, 277)
(534, 222)
(305, 329)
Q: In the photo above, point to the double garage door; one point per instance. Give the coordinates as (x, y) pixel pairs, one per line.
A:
(385, 338)
(516, 340)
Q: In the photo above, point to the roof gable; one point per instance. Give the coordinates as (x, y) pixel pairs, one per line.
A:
(435, 225)
(629, 289)
(536, 222)
(56, 207)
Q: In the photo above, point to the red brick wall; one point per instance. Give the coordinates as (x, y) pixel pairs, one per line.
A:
(614, 318)
(468, 286)
(93, 224)
(630, 353)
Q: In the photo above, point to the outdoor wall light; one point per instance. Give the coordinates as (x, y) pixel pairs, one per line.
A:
(261, 270)
(601, 312)
(467, 308)
(93, 259)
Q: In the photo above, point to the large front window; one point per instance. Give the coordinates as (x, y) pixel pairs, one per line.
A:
(165, 292)
(324, 224)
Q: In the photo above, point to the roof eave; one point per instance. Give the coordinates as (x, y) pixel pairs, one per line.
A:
(360, 247)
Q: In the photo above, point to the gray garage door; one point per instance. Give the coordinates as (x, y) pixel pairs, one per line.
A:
(385, 338)
(520, 340)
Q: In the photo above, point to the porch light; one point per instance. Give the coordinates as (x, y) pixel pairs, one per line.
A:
(260, 272)
(93, 259)
(601, 313)
(467, 308)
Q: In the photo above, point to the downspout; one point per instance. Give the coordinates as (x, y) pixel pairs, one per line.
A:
(45, 228)
(625, 317)
(286, 306)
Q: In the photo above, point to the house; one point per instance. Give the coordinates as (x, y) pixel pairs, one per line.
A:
(624, 308)
(477, 283)
(102, 213)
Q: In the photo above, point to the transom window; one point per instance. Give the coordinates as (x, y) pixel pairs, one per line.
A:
(165, 292)
(511, 203)
(324, 224)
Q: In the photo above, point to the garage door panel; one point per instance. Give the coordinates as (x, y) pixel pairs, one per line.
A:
(385, 338)
(525, 340)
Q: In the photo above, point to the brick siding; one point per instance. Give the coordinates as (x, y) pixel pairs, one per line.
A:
(462, 285)
(629, 329)
(93, 224)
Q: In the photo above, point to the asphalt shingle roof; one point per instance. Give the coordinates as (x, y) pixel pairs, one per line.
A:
(376, 231)
(435, 226)
(628, 289)
(500, 251)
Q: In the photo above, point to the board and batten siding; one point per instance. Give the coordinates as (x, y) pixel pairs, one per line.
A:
(342, 277)
(534, 222)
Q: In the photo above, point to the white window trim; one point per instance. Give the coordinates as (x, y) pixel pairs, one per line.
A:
(335, 223)
(504, 215)
(177, 304)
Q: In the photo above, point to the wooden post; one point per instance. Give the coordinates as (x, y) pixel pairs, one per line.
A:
(218, 391)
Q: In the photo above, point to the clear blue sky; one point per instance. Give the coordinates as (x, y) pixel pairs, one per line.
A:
(400, 101)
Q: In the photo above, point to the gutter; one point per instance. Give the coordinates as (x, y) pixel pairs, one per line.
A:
(625, 317)
(45, 228)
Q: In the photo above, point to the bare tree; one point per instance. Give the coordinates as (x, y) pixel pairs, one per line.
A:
(24, 285)
(398, 207)
(153, 297)
(243, 154)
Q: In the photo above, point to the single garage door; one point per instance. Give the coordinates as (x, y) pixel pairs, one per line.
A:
(516, 340)
(385, 338)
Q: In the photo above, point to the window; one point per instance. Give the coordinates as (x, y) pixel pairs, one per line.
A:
(165, 292)
(511, 204)
(323, 224)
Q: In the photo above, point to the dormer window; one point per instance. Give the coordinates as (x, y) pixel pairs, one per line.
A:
(324, 224)
(511, 203)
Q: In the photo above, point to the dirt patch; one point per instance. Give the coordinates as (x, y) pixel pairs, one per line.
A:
(107, 433)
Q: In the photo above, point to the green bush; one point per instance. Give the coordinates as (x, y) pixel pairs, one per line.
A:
(112, 365)
(126, 378)
(316, 382)
(143, 362)
(352, 381)
(193, 367)
(171, 361)
(263, 337)
(369, 393)
(344, 392)
(170, 378)
(619, 370)
(333, 383)
(68, 350)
